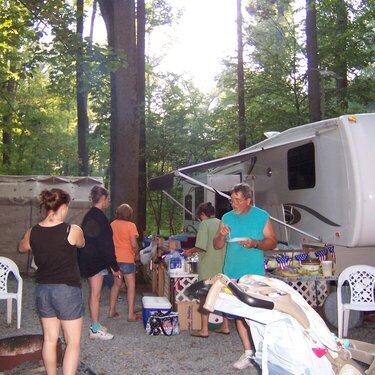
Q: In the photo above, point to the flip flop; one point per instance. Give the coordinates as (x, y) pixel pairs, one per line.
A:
(137, 319)
(197, 334)
(115, 315)
(222, 333)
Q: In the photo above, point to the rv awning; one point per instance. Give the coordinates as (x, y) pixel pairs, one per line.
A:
(165, 182)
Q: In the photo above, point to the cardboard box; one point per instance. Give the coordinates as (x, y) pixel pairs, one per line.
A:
(189, 316)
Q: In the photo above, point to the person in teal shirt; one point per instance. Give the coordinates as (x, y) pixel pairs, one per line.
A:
(247, 231)
(211, 261)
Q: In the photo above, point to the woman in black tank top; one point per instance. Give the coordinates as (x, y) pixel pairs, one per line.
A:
(59, 301)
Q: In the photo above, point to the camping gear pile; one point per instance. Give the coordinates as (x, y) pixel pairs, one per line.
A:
(289, 335)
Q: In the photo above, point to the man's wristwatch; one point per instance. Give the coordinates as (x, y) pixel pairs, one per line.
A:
(256, 244)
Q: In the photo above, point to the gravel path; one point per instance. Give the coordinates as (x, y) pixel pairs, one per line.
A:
(132, 351)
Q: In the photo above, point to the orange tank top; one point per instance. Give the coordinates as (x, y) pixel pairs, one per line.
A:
(122, 233)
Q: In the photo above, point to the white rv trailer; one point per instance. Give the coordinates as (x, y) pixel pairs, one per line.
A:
(319, 178)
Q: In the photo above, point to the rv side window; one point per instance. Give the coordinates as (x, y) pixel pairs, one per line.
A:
(189, 206)
(199, 196)
(301, 167)
(222, 204)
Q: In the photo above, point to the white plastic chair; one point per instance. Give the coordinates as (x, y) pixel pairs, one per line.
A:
(6, 266)
(361, 280)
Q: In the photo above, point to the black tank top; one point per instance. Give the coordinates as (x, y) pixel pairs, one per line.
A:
(55, 257)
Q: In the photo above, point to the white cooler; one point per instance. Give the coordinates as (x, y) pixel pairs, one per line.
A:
(153, 304)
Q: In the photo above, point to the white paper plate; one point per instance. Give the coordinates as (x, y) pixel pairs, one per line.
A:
(238, 239)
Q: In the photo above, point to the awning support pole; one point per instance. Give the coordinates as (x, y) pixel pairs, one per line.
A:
(295, 229)
(196, 182)
(178, 203)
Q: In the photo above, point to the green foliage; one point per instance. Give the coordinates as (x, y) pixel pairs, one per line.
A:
(346, 49)
(158, 13)
(266, 9)
(43, 134)
(178, 132)
(177, 117)
(38, 50)
(19, 45)
(41, 48)
(275, 82)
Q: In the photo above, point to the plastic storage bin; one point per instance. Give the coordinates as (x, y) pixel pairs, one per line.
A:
(153, 304)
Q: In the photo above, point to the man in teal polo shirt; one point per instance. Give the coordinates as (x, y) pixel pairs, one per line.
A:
(252, 226)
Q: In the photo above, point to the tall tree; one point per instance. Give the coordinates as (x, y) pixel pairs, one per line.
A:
(241, 82)
(312, 62)
(341, 65)
(119, 17)
(274, 69)
(346, 55)
(6, 123)
(141, 71)
(82, 92)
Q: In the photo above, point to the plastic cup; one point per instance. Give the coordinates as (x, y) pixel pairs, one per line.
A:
(326, 267)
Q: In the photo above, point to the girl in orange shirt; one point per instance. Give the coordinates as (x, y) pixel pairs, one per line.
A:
(125, 238)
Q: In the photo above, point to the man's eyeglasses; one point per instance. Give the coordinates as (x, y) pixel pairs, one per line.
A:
(237, 200)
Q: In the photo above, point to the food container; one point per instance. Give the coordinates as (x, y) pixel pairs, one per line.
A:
(192, 267)
(177, 265)
(192, 263)
(311, 265)
(272, 264)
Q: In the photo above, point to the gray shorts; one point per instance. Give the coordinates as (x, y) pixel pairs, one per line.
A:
(104, 272)
(59, 301)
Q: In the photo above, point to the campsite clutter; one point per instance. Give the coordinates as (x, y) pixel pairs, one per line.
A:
(317, 224)
(309, 260)
(289, 335)
(171, 312)
(129, 351)
(170, 275)
(315, 180)
(292, 174)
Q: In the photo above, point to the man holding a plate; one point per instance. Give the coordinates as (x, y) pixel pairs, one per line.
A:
(248, 232)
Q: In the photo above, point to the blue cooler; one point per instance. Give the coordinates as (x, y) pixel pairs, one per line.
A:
(153, 304)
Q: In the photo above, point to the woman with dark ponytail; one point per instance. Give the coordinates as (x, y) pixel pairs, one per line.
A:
(211, 261)
(59, 301)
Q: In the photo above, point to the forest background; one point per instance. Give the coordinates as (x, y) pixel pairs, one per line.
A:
(69, 106)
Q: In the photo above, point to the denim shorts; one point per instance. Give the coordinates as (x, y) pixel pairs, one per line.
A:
(59, 301)
(127, 268)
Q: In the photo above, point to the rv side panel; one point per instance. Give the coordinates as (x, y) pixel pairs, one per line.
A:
(358, 135)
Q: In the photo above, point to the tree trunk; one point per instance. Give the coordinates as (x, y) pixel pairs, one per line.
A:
(141, 24)
(7, 140)
(11, 87)
(92, 22)
(119, 17)
(240, 82)
(312, 62)
(341, 65)
(83, 120)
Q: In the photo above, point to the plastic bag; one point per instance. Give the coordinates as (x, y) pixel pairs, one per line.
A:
(147, 253)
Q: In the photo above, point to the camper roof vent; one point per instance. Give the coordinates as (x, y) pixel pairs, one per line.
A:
(271, 134)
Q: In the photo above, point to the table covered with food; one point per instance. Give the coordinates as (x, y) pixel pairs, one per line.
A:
(308, 269)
